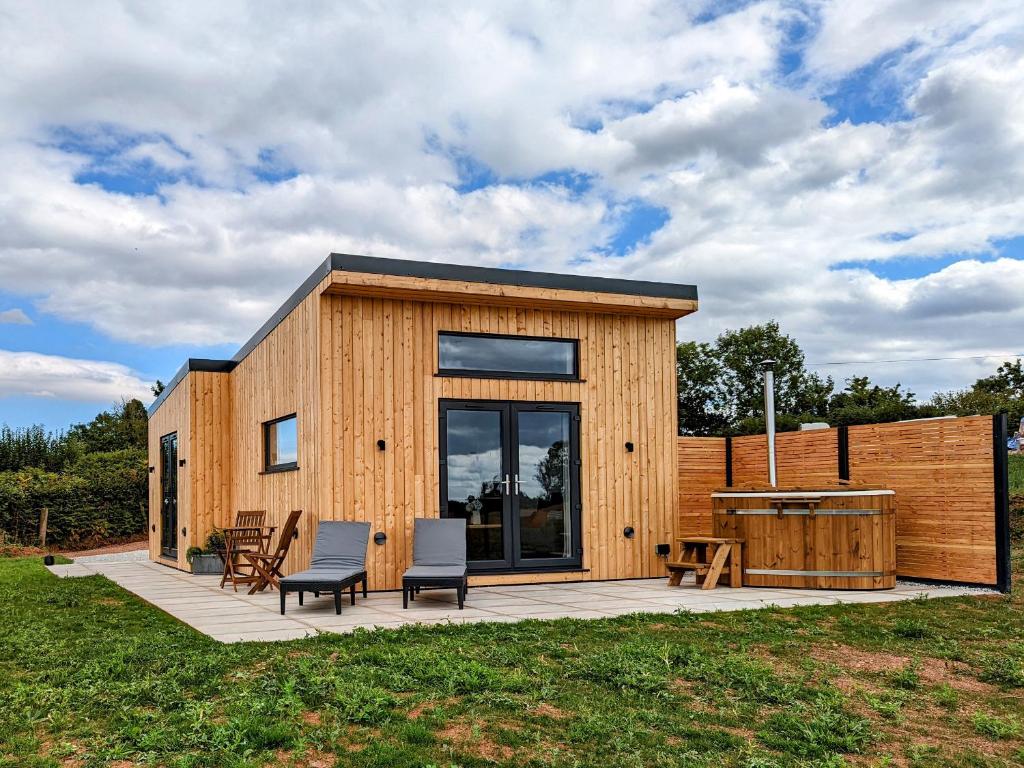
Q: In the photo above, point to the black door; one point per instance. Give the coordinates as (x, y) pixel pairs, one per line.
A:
(511, 470)
(169, 495)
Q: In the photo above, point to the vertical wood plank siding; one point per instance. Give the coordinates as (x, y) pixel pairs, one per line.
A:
(279, 377)
(210, 453)
(379, 382)
(199, 411)
(173, 416)
(358, 369)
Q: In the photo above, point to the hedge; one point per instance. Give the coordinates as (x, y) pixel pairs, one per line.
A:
(100, 496)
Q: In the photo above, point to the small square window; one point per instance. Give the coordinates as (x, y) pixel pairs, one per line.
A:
(281, 444)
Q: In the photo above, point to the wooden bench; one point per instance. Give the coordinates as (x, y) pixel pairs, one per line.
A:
(707, 557)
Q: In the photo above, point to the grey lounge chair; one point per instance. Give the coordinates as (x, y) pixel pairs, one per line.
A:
(438, 558)
(339, 561)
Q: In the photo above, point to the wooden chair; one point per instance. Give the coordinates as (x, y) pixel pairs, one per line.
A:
(246, 535)
(239, 542)
(707, 557)
(267, 566)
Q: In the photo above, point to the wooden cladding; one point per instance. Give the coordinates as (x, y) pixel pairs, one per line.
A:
(701, 464)
(357, 364)
(379, 382)
(279, 377)
(842, 540)
(198, 411)
(942, 471)
(805, 459)
(462, 293)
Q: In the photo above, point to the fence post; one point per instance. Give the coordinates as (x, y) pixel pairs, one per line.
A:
(44, 516)
(728, 462)
(843, 438)
(1001, 469)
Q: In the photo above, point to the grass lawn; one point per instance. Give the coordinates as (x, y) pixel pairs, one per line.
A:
(90, 675)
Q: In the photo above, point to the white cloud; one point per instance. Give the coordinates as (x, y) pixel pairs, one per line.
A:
(852, 35)
(716, 120)
(14, 317)
(65, 378)
(769, 196)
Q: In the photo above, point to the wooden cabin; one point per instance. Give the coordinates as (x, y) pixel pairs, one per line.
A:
(539, 407)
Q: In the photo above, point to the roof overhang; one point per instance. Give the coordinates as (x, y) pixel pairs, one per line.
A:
(458, 284)
(353, 275)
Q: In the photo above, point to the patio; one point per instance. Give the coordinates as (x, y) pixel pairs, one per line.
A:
(231, 617)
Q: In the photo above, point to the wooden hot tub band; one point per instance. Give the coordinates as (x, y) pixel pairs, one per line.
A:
(811, 539)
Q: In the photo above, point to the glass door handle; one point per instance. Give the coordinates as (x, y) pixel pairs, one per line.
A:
(506, 482)
(517, 484)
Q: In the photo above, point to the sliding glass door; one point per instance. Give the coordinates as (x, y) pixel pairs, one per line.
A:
(511, 470)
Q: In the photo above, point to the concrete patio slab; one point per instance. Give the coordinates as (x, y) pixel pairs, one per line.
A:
(229, 617)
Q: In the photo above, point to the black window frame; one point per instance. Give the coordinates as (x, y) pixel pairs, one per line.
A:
(520, 375)
(513, 562)
(287, 466)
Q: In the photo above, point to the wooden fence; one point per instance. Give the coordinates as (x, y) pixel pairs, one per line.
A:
(702, 466)
(952, 522)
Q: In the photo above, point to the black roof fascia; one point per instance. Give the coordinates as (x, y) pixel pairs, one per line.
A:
(346, 262)
(226, 366)
(192, 364)
(437, 270)
(293, 301)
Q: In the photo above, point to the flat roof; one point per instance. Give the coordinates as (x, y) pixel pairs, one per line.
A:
(347, 262)
(440, 271)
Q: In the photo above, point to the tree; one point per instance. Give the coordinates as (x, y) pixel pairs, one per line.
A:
(551, 471)
(721, 388)
(1003, 391)
(123, 426)
(157, 388)
(698, 372)
(1008, 380)
(862, 402)
(35, 447)
(796, 390)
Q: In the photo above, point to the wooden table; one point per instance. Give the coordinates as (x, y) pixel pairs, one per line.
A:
(238, 541)
(707, 557)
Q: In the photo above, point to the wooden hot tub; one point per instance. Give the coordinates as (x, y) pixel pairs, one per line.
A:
(829, 538)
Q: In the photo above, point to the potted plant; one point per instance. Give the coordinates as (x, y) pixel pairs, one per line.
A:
(206, 560)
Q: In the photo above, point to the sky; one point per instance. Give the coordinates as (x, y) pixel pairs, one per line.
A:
(169, 173)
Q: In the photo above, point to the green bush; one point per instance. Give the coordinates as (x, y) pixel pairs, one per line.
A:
(99, 496)
(35, 447)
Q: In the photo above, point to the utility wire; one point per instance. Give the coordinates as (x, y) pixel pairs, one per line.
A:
(914, 360)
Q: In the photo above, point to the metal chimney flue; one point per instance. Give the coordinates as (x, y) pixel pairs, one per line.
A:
(767, 366)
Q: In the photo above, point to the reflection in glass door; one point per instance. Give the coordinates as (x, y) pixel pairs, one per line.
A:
(475, 467)
(542, 485)
(169, 495)
(511, 471)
